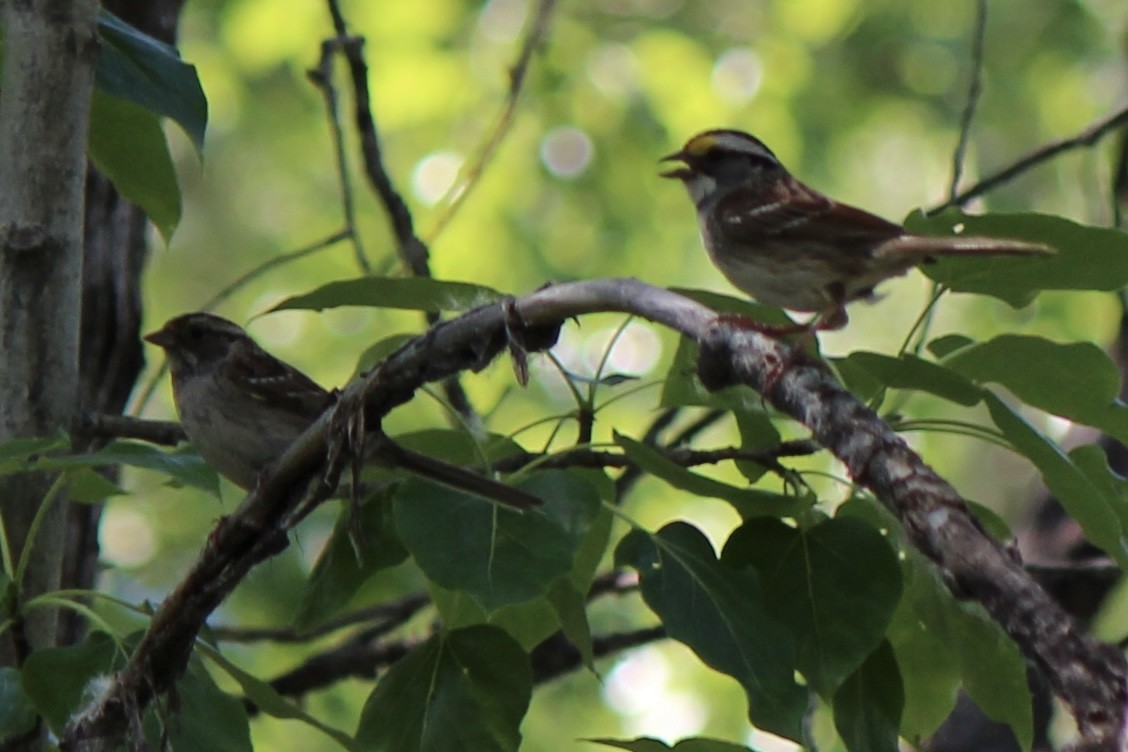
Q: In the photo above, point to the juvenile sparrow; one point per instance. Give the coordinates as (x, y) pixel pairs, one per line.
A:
(788, 245)
(242, 408)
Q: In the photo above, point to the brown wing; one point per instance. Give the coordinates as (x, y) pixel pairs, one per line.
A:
(268, 379)
(791, 212)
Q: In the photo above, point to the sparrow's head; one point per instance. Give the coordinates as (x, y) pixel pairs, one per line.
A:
(196, 339)
(720, 157)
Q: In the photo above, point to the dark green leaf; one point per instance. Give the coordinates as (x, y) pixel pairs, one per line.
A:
(646, 744)
(465, 690)
(719, 612)
(570, 606)
(868, 705)
(408, 293)
(17, 714)
(128, 146)
(143, 70)
(207, 719)
(1086, 501)
(1088, 258)
(268, 701)
(750, 502)
(16, 453)
(835, 584)
(55, 679)
(497, 556)
(911, 372)
(183, 466)
(363, 543)
(942, 347)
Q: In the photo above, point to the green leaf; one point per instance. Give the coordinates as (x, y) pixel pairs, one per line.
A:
(268, 701)
(868, 705)
(408, 293)
(1096, 506)
(16, 453)
(87, 486)
(942, 347)
(1076, 380)
(570, 606)
(380, 350)
(207, 719)
(17, 713)
(911, 372)
(134, 66)
(756, 431)
(127, 145)
(992, 669)
(55, 679)
(835, 584)
(942, 643)
(363, 543)
(1088, 258)
(465, 690)
(497, 556)
(750, 502)
(718, 611)
(182, 466)
(646, 744)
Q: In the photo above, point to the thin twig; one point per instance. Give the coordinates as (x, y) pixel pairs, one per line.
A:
(230, 289)
(1087, 137)
(975, 88)
(535, 34)
(106, 426)
(683, 456)
(322, 78)
(412, 251)
(389, 616)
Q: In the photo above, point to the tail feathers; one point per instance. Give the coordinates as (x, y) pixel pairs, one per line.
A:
(928, 245)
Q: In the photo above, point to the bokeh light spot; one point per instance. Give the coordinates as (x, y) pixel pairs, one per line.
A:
(566, 151)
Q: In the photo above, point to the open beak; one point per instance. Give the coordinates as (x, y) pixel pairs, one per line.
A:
(681, 173)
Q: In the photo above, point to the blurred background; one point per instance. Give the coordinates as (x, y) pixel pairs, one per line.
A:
(859, 99)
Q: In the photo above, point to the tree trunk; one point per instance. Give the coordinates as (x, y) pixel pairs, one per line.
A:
(50, 49)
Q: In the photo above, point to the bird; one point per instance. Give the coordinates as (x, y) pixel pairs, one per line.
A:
(788, 245)
(241, 408)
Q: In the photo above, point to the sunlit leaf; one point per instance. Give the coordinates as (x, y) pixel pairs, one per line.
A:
(1094, 505)
(911, 372)
(1088, 257)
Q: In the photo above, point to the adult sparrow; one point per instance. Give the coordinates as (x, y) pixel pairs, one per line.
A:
(242, 408)
(788, 245)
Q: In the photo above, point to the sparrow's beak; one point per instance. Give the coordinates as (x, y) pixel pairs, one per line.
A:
(681, 173)
(160, 338)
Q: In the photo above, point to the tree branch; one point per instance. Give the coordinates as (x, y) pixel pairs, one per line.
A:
(1088, 675)
(1087, 137)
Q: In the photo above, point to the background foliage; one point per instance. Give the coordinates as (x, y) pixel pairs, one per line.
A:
(862, 100)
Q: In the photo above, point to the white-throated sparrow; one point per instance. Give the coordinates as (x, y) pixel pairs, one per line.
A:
(788, 245)
(242, 407)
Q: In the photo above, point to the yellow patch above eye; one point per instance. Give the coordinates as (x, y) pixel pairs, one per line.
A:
(700, 144)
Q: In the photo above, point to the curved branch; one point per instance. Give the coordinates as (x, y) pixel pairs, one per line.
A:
(1088, 675)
